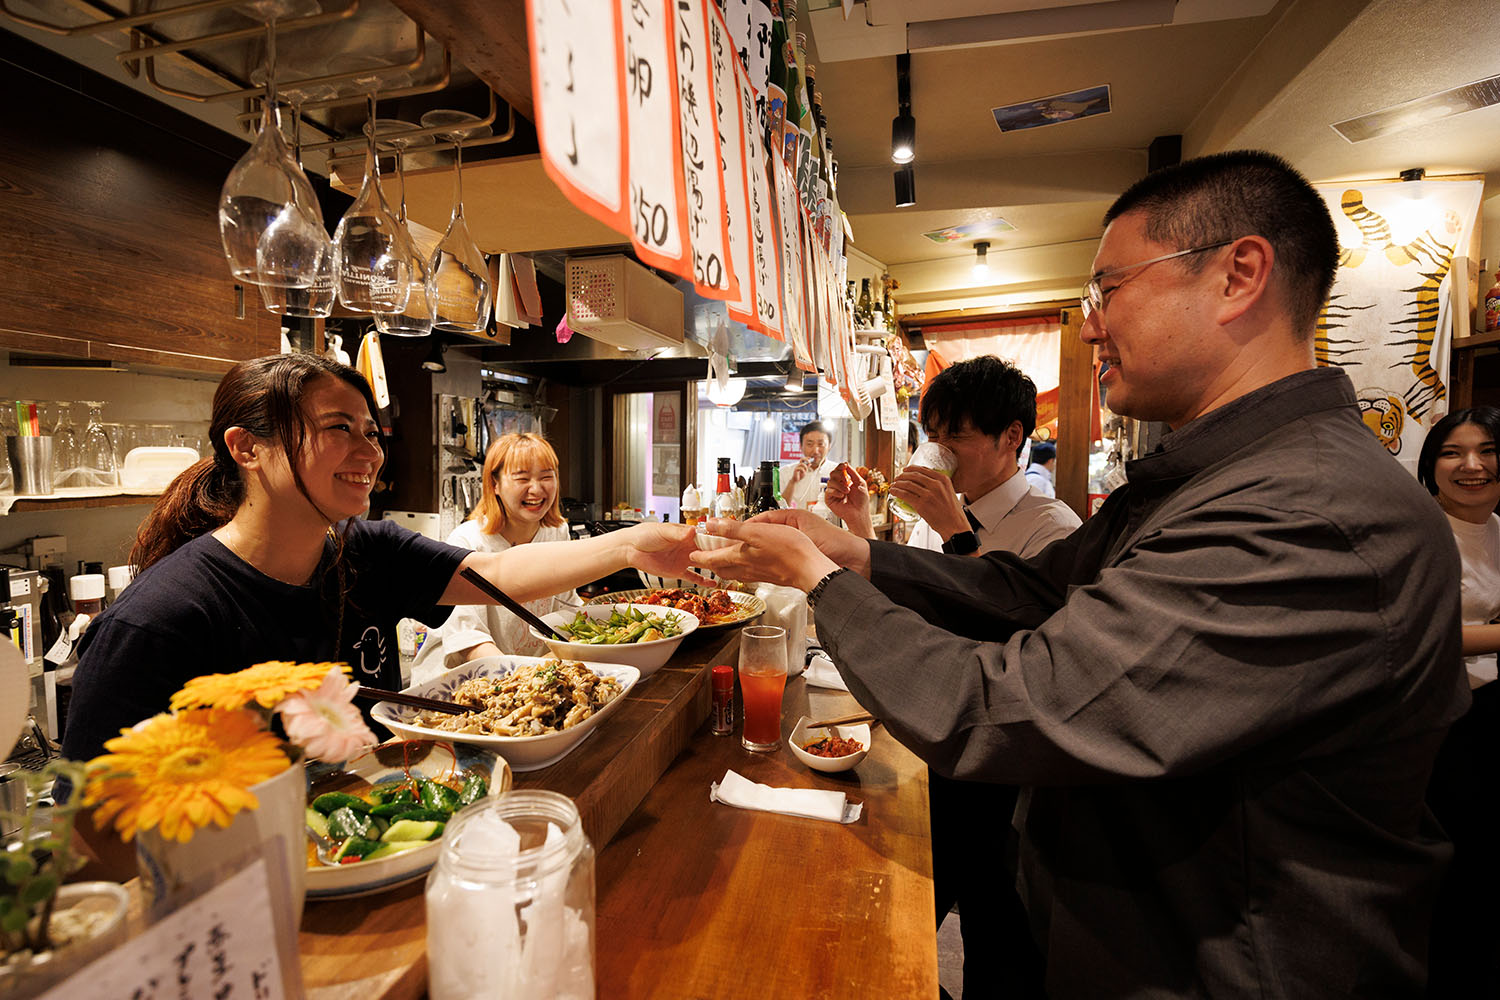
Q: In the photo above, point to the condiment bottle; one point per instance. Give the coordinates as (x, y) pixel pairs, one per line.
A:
(723, 690)
(1492, 306)
(510, 902)
(119, 578)
(87, 593)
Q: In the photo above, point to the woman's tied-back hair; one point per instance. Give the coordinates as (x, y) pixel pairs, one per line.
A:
(509, 453)
(265, 397)
(1485, 417)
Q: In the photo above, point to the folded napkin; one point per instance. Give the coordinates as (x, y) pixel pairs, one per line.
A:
(822, 673)
(742, 793)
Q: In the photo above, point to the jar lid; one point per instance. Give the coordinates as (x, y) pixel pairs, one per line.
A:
(86, 587)
(723, 678)
(120, 577)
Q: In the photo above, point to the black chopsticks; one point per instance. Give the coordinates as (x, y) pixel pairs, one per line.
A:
(521, 611)
(411, 700)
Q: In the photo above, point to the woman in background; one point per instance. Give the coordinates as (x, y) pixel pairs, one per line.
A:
(1458, 465)
(518, 504)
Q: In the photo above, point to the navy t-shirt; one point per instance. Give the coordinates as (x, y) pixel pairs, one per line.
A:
(204, 610)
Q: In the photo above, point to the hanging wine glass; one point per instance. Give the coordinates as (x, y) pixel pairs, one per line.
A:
(372, 254)
(315, 301)
(270, 222)
(460, 272)
(421, 303)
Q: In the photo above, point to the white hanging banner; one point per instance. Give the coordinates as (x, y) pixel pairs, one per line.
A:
(727, 79)
(575, 73)
(758, 66)
(702, 171)
(789, 221)
(656, 207)
(765, 264)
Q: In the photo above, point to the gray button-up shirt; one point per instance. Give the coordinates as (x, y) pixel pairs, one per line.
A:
(1226, 690)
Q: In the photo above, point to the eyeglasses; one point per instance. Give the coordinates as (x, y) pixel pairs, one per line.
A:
(1092, 299)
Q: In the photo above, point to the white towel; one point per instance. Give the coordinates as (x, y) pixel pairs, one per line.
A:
(736, 790)
(822, 673)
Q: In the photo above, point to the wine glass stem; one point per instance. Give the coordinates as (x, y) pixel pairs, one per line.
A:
(271, 67)
(401, 177)
(458, 178)
(374, 167)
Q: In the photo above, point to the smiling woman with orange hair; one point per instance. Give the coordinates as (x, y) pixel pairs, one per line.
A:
(518, 504)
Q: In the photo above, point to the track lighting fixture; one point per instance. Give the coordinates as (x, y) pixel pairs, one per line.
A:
(903, 126)
(981, 259)
(906, 186)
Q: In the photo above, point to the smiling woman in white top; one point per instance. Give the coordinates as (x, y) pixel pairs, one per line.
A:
(1458, 465)
(518, 505)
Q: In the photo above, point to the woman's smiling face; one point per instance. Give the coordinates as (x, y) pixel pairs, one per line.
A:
(528, 491)
(1465, 473)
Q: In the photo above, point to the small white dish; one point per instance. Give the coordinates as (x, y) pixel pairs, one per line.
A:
(832, 765)
(647, 657)
(388, 763)
(524, 753)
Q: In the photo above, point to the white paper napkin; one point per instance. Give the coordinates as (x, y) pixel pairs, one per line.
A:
(736, 790)
(822, 673)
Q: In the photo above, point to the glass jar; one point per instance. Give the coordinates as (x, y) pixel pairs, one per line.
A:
(510, 902)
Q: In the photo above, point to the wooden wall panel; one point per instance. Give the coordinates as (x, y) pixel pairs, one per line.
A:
(112, 237)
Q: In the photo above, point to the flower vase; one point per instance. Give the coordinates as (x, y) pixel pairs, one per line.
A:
(173, 873)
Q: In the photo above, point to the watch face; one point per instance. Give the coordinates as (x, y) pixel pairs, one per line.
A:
(962, 544)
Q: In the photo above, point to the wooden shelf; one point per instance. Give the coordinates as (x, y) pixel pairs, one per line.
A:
(27, 505)
(1476, 340)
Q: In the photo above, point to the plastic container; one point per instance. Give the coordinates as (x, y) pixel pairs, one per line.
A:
(86, 591)
(510, 902)
(723, 693)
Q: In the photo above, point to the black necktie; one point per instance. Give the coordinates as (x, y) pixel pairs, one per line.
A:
(973, 521)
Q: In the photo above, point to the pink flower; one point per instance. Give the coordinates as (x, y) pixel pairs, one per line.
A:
(324, 722)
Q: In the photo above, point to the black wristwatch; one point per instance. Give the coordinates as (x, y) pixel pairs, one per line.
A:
(817, 590)
(963, 543)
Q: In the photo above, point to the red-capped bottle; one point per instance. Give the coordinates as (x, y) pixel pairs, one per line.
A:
(723, 690)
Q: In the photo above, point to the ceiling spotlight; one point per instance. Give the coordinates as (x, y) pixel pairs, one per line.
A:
(434, 361)
(793, 378)
(906, 186)
(981, 259)
(1414, 174)
(903, 126)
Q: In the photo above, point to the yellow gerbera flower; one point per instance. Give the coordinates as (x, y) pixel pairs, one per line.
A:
(265, 683)
(181, 772)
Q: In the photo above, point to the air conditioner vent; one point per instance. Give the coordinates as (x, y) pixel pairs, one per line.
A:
(615, 300)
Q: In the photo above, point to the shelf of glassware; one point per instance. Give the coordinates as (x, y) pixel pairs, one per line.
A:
(74, 498)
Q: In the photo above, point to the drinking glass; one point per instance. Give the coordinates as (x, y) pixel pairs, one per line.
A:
(270, 222)
(460, 272)
(929, 455)
(372, 254)
(8, 428)
(315, 301)
(55, 418)
(96, 456)
(762, 681)
(421, 304)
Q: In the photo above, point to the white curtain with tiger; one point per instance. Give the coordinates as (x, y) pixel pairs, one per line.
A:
(1388, 321)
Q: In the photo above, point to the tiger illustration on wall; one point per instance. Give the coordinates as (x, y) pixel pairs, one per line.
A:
(1352, 333)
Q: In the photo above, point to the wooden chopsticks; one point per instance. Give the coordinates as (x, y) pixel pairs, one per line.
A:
(845, 720)
(411, 700)
(521, 611)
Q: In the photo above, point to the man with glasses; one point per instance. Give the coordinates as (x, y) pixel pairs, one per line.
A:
(1226, 689)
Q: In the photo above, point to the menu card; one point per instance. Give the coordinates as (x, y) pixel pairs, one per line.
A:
(222, 944)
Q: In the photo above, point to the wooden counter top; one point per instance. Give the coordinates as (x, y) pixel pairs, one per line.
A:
(696, 899)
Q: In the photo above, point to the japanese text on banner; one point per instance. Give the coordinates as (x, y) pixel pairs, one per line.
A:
(727, 115)
(575, 73)
(702, 173)
(654, 162)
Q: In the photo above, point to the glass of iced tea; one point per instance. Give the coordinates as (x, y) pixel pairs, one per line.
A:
(929, 455)
(762, 680)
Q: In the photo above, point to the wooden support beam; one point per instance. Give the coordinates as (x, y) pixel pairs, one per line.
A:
(1074, 414)
(487, 36)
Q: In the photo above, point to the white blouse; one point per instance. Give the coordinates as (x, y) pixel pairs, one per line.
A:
(1479, 547)
(471, 624)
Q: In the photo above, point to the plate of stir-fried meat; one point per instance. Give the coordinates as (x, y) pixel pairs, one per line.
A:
(712, 608)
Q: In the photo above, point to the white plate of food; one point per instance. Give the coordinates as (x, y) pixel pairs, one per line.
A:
(830, 748)
(575, 697)
(399, 795)
(714, 609)
(621, 633)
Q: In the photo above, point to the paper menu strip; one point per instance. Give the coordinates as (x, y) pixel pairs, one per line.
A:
(575, 72)
(702, 170)
(221, 944)
(727, 112)
(653, 154)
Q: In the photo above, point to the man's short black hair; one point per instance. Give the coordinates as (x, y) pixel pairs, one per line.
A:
(989, 393)
(1043, 452)
(1486, 417)
(1224, 196)
(810, 427)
